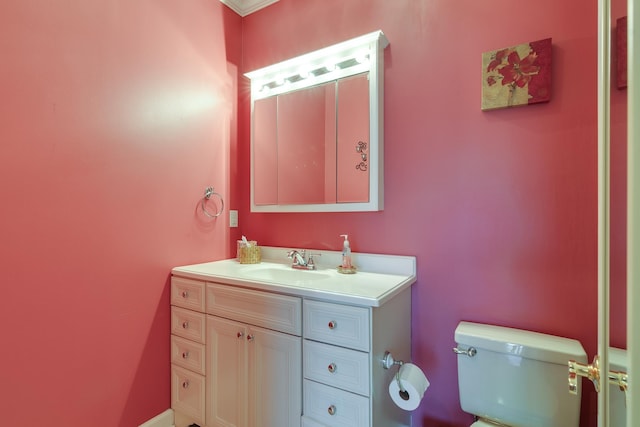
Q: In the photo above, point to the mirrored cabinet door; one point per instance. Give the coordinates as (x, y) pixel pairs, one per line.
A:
(353, 140)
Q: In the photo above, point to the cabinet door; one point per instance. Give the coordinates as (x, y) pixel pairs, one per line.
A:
(275, 378)
(226, 373)
(188, 393)
(353, 139)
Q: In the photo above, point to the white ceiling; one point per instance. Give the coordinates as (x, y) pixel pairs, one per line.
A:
(245, 7)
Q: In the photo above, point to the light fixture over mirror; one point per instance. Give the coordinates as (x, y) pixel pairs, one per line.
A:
(317, 130)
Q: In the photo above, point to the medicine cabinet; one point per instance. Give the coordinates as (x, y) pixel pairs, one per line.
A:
(317, 130)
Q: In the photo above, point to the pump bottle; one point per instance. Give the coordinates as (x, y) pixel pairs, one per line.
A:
(346, 252)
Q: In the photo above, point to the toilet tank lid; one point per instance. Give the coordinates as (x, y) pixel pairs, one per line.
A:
(527, 344)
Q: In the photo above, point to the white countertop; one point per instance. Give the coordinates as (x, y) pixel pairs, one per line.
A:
(378, 279)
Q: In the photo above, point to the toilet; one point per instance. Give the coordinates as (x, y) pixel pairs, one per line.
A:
(511, 377)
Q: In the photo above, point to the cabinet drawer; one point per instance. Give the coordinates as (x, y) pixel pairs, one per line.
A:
(188, 324)
(272, 311)
(187, 293)
(187, 354)
(335, 408)
(338, 324)
(337, 367)
(188, 393)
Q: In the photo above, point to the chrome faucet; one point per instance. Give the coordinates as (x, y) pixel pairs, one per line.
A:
(300, 260)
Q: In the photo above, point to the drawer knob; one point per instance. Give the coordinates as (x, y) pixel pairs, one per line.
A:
(239, 334)
(331, 410)
(333, 324)
(185, 354)
(185, 325)
(250, 337)
(332, 367)
(185, 294)
(185, 384)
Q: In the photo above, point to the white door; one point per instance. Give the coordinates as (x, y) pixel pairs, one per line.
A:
(599, 371)
(633, 213)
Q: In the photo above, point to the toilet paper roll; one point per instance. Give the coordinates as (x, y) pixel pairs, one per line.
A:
(408, 386)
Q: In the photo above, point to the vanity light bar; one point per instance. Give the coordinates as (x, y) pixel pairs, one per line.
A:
(349, 66)
(355, 56)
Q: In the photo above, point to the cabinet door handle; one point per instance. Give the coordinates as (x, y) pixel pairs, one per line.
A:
(331, 410)
(185, 325)
(239, 334)
(185, 384)
(185, 294)
(250, 337)
(185, 354)
(332, 324)
(332, 367)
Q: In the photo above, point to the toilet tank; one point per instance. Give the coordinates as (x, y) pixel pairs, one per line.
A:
(617, 408)
(518, 378)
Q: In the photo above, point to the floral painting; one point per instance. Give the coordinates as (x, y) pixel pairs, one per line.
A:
(518, 75)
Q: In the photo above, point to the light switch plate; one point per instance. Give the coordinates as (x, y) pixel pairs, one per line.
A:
(233, 218)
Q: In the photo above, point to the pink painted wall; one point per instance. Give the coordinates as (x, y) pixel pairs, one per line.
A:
(117, 115)
(114, 117)
(498, 207)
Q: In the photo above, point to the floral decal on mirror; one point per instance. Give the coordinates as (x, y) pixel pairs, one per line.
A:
(518, 75)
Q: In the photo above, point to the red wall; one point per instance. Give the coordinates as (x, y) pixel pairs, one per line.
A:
(114, 117)
(498, 207)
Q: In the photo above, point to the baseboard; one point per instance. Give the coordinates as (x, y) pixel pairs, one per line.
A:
(164, 419)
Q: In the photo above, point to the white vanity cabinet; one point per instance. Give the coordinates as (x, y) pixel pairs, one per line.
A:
(345, 384)
(267, 346)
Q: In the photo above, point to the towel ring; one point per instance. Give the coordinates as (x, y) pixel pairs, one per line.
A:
(208, 192)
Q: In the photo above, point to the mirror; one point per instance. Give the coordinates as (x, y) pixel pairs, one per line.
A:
(311, 146)
(316, 130)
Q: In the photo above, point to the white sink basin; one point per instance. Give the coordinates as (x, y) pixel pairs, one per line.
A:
(286, 276)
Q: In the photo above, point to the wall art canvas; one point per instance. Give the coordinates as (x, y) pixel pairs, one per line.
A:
(621, 52)
(518, 75)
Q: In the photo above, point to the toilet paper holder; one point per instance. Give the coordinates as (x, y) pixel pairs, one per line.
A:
(387, 362)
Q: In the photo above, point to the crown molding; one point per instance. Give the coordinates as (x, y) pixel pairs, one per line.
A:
(245, 7)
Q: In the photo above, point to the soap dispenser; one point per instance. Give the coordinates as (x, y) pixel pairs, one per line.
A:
(346, 266)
